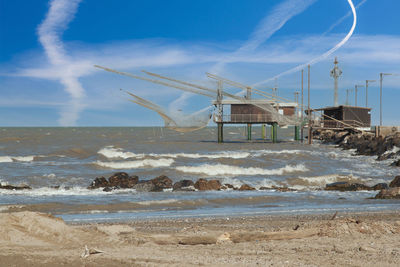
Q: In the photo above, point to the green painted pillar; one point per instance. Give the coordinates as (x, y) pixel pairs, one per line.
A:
(249, 132)
(274, 132)
(296, 133)
(220, 133)
(263, 132)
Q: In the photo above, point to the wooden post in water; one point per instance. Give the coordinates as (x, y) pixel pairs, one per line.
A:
(263, 132)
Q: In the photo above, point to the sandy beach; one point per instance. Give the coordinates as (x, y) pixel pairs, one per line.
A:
(361, 239)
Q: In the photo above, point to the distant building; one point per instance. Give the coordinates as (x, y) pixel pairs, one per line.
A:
(346, 117)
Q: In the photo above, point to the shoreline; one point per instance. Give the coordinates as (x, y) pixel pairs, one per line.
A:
(351, 239)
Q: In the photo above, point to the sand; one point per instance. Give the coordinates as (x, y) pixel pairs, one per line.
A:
(365, 239)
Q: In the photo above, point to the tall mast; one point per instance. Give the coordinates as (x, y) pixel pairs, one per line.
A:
(335, 73)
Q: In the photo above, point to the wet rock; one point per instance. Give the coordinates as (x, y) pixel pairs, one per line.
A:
(203, 184)
(230, 186)
(395, 182)
(161, 182)
(380, 186)
(183, 185)
(15, 187)
(346, 186)
(99, 182)
(144, 186)
(391, 193)
(107, 189)
(246, 187)
(396, 163)
(123, 180)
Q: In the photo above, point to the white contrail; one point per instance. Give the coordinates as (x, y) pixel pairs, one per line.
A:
(323, 56)
(339, 21)
(274, 21)
(60, 14)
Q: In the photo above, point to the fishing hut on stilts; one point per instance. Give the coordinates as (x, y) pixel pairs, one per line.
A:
(268, 110)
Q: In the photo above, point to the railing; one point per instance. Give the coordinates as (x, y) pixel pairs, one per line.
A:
(244, 118)
(343, 124)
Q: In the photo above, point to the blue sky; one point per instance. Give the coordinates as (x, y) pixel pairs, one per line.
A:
(48, 48)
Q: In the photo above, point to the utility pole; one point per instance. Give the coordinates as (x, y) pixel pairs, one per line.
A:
(309, 111)
(335, 73)
(356, 87)
(366, 91)
(302, 104)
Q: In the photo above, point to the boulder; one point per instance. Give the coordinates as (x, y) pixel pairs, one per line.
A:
(161, 182)
(395, 182)
(123, 180)
(230, 186)
(346, 186)
(99, 182)
(183, 185)
(107, 189)
(203, 184)
(144, 186)
(391, 193)
(15, 187)
(246, 187)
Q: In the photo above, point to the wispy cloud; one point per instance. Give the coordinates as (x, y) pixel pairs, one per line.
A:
(60, 14)
(270, 24)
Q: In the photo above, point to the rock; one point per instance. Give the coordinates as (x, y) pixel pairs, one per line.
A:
(395, 182)
(145, 186)
(184, 185)
(161, 182)
(15, 187)
(396, 163)
(123, 180)
(391, 193)
(346, 186)
(203, 184)
(99, 182)
(380, 186)
(246, 187)
(107, 189)
(231, 186)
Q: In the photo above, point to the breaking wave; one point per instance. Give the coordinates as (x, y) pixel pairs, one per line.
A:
(136, 164)
(5, 159)
(112, 152)
(221, 169)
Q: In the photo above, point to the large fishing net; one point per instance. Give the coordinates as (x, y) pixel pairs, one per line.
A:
(176, 120)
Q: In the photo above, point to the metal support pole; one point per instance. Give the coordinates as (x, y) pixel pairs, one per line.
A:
(366, 94)
(380, 101)
(296, 133)
(249, 132)
(263, 132)
(274, 132)
(309, 110)
(356, 96)
(220, 132)
(302, 105)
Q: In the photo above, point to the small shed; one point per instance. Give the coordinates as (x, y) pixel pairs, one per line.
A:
(346, 116)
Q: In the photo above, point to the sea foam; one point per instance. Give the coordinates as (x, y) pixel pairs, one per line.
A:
(4, 159)
(221, 169)
(136, 163)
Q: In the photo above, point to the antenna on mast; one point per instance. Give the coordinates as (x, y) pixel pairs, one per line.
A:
(335, 73)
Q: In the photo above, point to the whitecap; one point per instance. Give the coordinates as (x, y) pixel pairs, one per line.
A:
(135, 164)
(221, 169)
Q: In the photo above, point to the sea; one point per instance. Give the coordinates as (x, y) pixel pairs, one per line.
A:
(60, 163)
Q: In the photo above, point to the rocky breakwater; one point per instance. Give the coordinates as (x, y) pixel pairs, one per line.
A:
(393, 192)
(367, 144)
(122, 180)
(14, 187)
